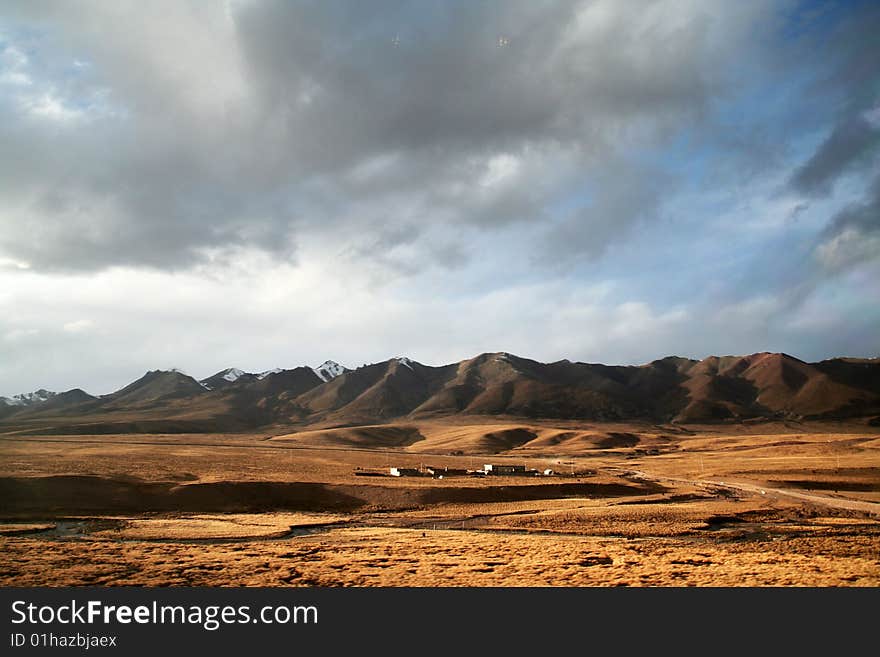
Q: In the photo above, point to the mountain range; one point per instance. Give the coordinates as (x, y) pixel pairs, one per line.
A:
(680, 390)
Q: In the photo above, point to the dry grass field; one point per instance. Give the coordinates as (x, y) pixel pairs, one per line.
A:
(626, 505)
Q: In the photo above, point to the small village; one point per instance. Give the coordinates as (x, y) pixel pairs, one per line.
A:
(441, 472)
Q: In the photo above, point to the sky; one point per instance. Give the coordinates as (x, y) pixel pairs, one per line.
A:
(260, 184)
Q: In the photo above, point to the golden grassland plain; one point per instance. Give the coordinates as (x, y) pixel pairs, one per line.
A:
(782, 504)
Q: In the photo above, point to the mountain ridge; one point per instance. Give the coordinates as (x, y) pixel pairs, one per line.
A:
(764, 385)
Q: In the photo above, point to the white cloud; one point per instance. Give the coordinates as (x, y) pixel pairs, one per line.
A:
(15, 78)
(500, 170)
(847, 247)
(51, 107)
(20, 334)
(78, 326)
(13, 263)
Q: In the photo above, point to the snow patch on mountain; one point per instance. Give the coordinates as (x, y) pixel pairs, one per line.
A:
(233, 374)
(263, 375)
(173, 370)
(329, 370)
(29, 398)
(406, 362)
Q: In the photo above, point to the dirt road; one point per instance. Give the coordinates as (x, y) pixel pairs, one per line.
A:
(872, 508)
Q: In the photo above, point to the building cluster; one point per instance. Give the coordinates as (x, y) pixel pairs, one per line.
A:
(488, 469)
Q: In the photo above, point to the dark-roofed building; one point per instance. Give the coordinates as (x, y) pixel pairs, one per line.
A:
(504, 469)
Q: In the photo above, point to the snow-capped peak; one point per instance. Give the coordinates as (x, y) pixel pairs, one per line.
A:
(263, 375)
(173, 370)
(403, 360)
(232, 374)
(28, 398)
(328, 370)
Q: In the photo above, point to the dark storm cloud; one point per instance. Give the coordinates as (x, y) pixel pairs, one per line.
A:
(621, 196)
(853, 235)
(350, 82)
(850, 149)
(282, 119)
(850, 146)
(863, 216)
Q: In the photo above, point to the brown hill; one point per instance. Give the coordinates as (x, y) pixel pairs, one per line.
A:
(292, 382)
(474, 437)
(227, 378)
(778, 385)
(154, 386)
(364, 437)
